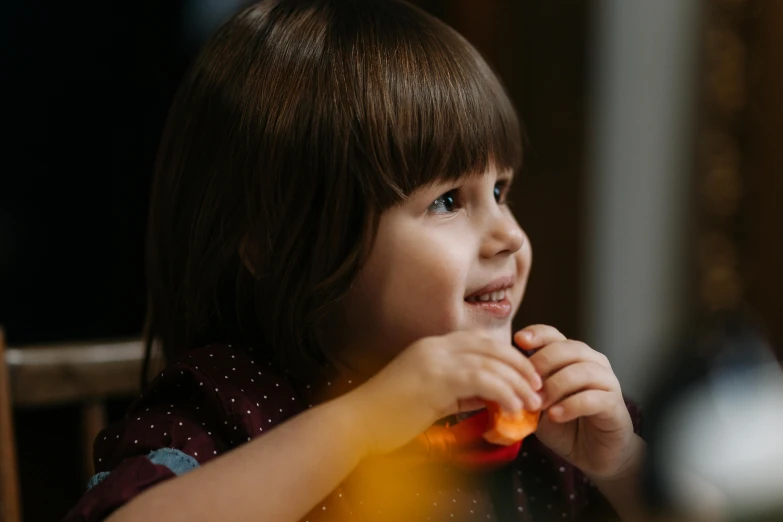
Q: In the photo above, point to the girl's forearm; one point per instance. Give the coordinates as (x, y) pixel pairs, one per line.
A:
(625, 493)
(278, 477)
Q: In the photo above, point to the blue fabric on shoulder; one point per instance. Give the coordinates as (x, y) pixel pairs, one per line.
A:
(177, 461)
(174, 459)
(97, 479)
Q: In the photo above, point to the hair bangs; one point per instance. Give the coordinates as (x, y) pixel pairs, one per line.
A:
(430, 107)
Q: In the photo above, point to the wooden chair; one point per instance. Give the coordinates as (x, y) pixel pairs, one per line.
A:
(84, 373)
(10, 509)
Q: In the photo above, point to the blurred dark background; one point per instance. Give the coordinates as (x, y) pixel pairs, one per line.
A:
(87, 87)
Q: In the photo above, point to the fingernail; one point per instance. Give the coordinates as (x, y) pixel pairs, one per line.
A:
(535, 402)
(556, 411)
(537, 382)
(527, 336)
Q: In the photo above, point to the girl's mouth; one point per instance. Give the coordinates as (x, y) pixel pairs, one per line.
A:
(493, 303)
(489, 297)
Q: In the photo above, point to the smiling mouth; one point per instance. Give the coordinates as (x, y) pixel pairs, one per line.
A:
(495, 304)
(491, 297)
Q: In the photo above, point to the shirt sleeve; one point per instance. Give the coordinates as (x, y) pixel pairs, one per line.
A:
(173, 429)
(213, 400)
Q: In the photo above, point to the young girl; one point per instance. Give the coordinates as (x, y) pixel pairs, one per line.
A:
(332, 269)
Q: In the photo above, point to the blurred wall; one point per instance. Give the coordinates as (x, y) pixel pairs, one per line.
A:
(636, 222)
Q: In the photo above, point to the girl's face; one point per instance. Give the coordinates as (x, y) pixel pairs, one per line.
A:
(451, 257)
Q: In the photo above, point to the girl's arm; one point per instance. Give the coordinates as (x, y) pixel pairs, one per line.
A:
(281, 476)
(624, 493)
(277, 477)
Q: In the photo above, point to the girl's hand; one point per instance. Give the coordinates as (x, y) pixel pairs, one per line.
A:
(438, 376)
(585, 420)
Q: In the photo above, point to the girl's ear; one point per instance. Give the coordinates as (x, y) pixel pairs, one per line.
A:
(248, 253)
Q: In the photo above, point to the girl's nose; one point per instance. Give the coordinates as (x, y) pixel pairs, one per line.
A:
(504, 235)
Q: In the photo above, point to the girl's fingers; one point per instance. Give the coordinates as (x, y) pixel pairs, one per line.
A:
(487, 346)
(583, 404)
(558, 355)
(531, 400)
(471, 404)
(486, 385)
(536, 336)
(575, 378)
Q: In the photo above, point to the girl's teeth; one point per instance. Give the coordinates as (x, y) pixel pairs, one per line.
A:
(492, 296)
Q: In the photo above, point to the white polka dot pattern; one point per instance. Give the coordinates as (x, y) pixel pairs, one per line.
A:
(180, 412)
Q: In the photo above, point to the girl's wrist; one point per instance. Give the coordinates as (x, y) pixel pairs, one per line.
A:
(630, 469)
(352, 412)
(623, 490)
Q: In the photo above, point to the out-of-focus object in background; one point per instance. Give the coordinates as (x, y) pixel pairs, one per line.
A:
(716, 427)
(85, 373)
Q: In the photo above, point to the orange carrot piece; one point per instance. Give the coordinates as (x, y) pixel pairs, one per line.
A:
(508, 428)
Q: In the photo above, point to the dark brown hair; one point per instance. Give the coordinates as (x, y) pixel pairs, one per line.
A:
(300, 122)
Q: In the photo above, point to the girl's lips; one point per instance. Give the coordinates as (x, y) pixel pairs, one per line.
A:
(501, 283)
(501, 309)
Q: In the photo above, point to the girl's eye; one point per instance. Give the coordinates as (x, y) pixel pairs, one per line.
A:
(500, 191)
(445, 203)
